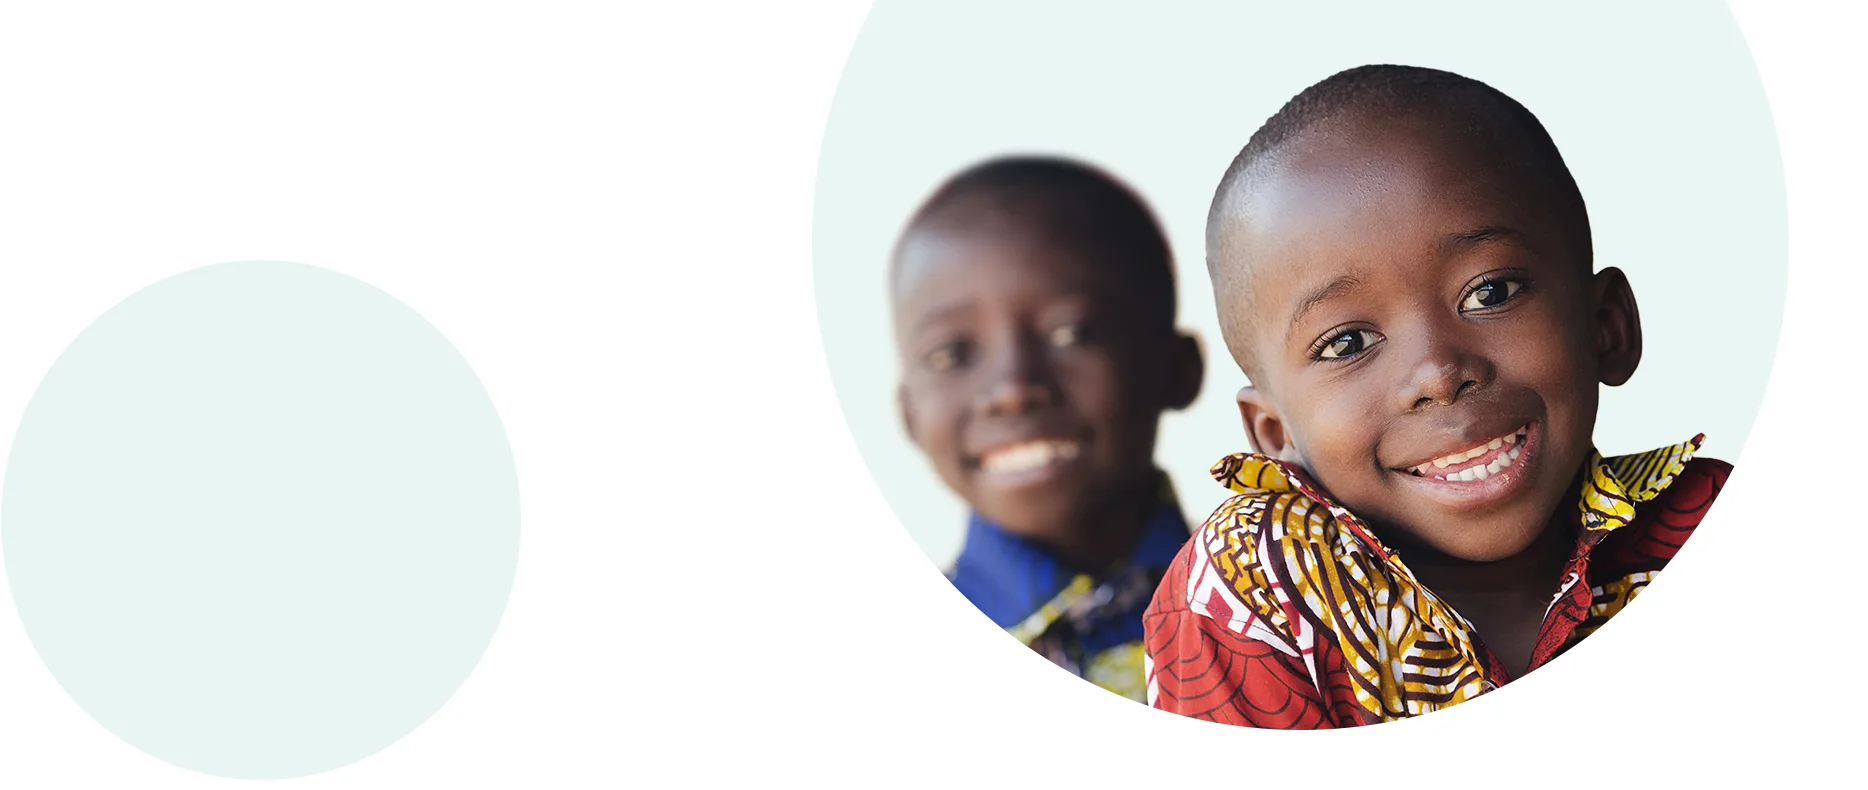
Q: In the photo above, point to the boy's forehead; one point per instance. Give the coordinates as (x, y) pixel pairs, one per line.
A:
(1353, 201)
(1351, 195)
(1371, 172)
(1007, 259)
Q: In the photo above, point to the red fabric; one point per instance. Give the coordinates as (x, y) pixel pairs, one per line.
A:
(1214, 674)
(1202, 669)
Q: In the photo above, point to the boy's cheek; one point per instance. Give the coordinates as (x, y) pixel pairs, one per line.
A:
(935, 431)
(1563, 373)
(1333, 425)
(1099, 393)
(1572, 353)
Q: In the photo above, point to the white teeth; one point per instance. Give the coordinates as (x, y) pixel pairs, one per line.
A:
(1028, 455)
(1482, 471)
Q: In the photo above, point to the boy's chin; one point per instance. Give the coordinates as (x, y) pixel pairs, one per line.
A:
(1487, 552)
(1045, 522)
(1484, 543)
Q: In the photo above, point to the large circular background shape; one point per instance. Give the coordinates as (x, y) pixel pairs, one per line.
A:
(260, 520)
(1657, 108)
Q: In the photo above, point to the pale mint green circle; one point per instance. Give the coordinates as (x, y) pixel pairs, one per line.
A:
(260, 520)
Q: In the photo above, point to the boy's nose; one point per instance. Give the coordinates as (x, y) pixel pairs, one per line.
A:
(1022, 382)
(1018, 397)
(1443, 375)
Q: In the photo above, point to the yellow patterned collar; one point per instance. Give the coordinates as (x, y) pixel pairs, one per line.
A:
(1292, 574)
(1611, 489)
(1614, 487)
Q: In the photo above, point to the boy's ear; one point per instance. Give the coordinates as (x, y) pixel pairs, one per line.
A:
(1187, 371)
(1264, 427)
(1618, 327)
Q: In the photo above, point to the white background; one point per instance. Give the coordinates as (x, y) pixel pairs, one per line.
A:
(1656, 106)
(608, 210)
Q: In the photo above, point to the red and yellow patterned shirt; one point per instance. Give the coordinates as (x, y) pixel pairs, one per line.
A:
(1283, 611)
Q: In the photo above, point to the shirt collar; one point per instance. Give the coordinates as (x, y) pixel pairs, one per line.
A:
(1611, 487)
(1614, 487)
(1009, 577)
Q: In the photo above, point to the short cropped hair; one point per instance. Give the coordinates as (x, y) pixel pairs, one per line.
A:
(1482, 113)
(1469, 105)
(1073, 204)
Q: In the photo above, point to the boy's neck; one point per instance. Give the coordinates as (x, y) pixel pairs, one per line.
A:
(1504, 600)
(1109, 533)
(1530, 574)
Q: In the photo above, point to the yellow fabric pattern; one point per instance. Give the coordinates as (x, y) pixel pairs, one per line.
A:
(1611, 598)
(1040, 621)
(1121, 669)
(1290, 555)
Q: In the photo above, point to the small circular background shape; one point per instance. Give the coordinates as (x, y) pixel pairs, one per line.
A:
(260, 520)
(1657, 108)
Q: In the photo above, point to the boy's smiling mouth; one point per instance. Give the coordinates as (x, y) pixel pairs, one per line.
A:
(1482, 475)
(1029, 456)
(1477, 462)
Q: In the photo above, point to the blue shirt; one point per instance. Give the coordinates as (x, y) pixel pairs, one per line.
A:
(1089, 623)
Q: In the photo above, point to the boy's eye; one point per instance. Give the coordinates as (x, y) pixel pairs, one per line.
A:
(1348, 344)
(1067, 335)
(947, 357)
(1490, 293)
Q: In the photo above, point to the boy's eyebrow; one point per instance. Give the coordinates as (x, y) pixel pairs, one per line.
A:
(940, 313)
(1481, 235)
(1328, 291)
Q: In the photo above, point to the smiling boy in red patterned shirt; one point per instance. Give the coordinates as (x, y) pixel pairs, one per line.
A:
(1404, 271)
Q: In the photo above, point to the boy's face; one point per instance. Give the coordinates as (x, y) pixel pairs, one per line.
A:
(1029, 377)
(1428, 339)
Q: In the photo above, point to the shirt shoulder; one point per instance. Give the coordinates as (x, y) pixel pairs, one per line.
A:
(1228, 571)
(1005, 577)
(1685, 502)
(1206, 656)
(1662, 525)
